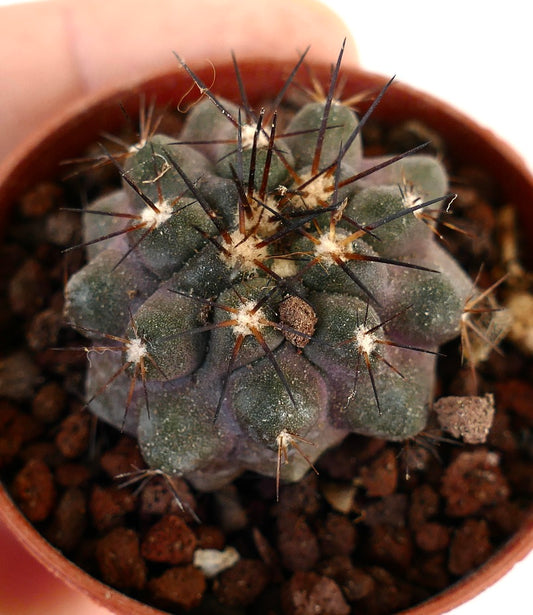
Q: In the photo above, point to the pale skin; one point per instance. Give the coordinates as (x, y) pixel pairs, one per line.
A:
(54, 53)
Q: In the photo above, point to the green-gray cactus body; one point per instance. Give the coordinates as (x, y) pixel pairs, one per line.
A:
(257, 302)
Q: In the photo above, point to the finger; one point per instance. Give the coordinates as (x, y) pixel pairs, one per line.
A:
(70, 48)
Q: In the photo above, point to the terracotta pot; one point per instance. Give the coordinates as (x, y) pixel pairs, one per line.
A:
(69, 133)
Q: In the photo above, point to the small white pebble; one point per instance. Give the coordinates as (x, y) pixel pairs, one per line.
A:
(213, 562)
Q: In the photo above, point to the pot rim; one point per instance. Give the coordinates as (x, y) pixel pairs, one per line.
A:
(57, 140)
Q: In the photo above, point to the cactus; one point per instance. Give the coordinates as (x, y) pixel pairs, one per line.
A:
(255, 293)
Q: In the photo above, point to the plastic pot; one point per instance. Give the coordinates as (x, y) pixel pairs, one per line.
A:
(68, 134)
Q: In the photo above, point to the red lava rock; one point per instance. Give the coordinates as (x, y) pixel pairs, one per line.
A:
(34, 490)
(391, 545)
(337, 535)
(517, 396)
(473, 480)
(120, 561)
(123, 458)
(69, 520)
(308, 593)
(49, 402)
(241, 584)
(354, 582)
(170, 540)
(297, 544)
(425, 503)
(109, 505)
(470, 546)
(380, 478)
(73, 436)
(181, 586)
(432, 536)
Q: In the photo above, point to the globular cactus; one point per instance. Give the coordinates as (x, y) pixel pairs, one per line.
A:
(254, 292)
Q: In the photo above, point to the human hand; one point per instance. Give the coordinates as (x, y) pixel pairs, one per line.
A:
(54, 52)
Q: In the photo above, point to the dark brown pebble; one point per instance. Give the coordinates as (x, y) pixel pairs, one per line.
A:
(44, 451)
(210, 537)
(123, 458)
(470, 546)
(516, 396)
(241, 584)
(354, 582)
(390, 510)
(505, 518)
(158, 497)
(297, 543)
(41, 199)
(337, 535)
(391, 594)
(16, 428)
(341, 462)
(432, 536)
(170, 540)
(43, 330)
(62, 228)
(29, 289)
(73, 436)
(108, 506)
(380, 477)
(120, 561)
(502, 436)
(49, 402)
(308, 593)
(19, 376)
(390, 545)
(301, 497)
(425, 503)
(69, 520)
(72, 474)
(181, 586)
(34, 490)
(431, 571)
